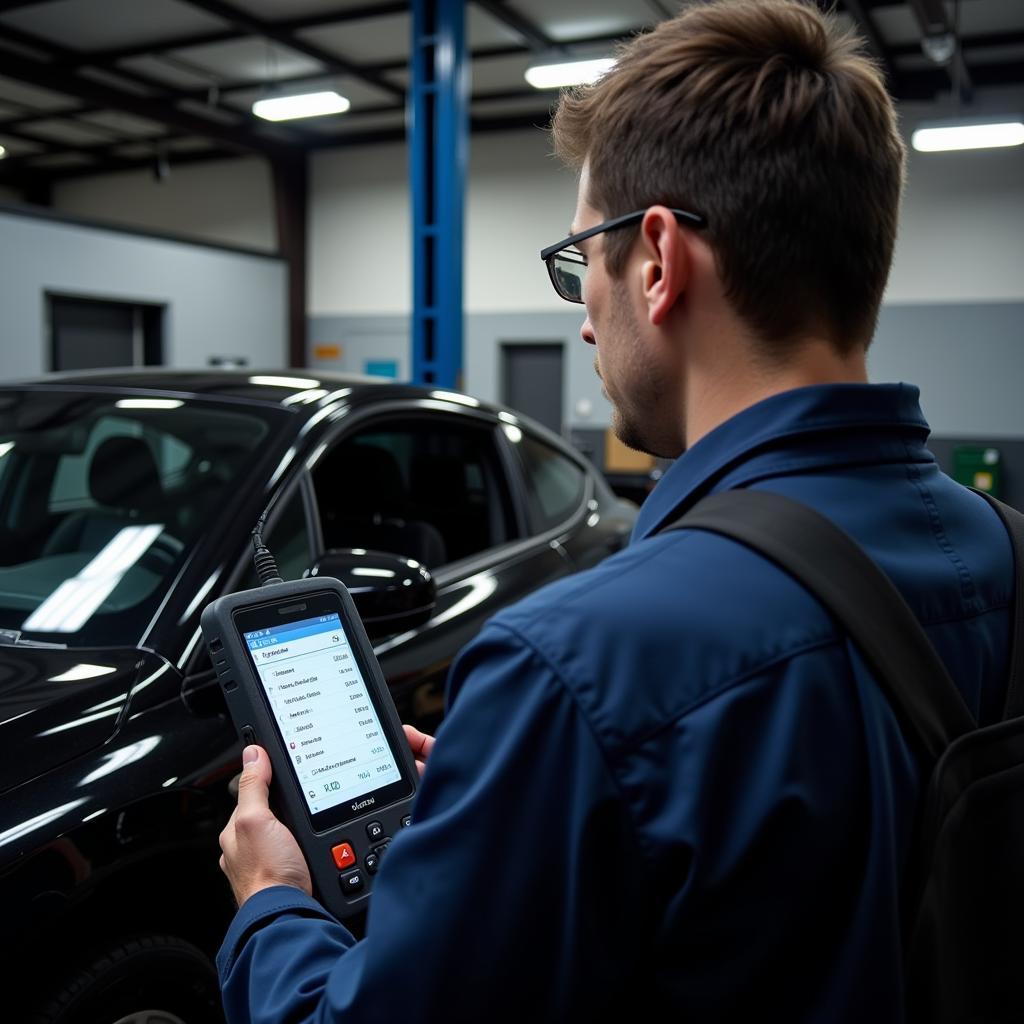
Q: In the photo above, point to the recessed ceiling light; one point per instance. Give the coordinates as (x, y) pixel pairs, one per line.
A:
(577, 72)
(944, 138)
(3, 152)
(310, 104)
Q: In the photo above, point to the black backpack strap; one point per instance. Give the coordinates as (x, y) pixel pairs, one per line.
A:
(848, 583)
(1014, 523)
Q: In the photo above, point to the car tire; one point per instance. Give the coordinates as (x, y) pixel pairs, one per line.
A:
(149, 979)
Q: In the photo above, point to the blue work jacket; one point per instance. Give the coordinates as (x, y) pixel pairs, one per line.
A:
(669, 784)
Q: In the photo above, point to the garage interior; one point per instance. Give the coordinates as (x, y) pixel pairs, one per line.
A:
(140, 117)
(152, 220)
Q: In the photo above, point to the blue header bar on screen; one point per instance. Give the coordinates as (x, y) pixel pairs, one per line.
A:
(257, 638)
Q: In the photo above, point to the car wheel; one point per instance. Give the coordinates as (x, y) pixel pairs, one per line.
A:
(151, 979)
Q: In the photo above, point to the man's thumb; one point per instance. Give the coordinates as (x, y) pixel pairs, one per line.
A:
(255, 781)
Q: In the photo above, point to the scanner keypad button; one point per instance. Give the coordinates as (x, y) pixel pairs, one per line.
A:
(372, 863)
(374, 831)
(344, 856)
(351, 882)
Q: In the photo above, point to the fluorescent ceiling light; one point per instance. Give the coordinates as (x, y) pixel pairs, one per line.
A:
(578, 72)
(310, 104)
(968, 136)
(5, 447)
(149, 403)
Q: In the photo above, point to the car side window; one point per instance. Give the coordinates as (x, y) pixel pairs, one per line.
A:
(555, 484)
(289, 541)
(428, 488)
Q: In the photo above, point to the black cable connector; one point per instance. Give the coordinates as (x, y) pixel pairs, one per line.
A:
(266, 568)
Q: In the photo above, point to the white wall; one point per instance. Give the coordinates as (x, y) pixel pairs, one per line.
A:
(519, 199)
(230, 201)
(360, 236)
(217, 302)
(961, 236)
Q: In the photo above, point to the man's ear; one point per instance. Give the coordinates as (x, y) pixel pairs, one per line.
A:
(666, 266)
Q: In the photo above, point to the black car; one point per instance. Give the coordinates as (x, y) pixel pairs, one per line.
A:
(126, 504)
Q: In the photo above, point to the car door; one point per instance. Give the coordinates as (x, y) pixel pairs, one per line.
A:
(442, 488)
(565, 495)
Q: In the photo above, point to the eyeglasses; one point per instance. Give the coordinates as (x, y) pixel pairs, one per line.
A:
(568, 270)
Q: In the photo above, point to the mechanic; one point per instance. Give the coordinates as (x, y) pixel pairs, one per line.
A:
(669, 784)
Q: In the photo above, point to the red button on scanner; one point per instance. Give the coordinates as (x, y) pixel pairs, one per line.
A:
(344, 856)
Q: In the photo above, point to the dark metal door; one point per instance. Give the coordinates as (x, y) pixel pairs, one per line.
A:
(90, 334)
(531, 378)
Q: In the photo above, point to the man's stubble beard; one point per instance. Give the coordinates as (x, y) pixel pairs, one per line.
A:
(642, 391)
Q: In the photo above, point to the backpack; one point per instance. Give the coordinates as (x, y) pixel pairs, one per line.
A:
(964, 894)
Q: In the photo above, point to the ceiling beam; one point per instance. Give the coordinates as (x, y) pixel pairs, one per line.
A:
(532, 34)
(969, 44)
(35, 114)
(368, 137)
(932, 21)
(104, 58)
(96, 150)
(23, 175)
(48, 77)
(513, 50)
(62, 54)
(256, 26)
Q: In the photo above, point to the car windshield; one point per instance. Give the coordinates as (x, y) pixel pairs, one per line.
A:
(101, 500)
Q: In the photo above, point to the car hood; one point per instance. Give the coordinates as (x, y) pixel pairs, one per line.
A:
(56, 705)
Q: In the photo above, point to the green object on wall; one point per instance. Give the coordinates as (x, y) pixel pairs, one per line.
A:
(977, 466)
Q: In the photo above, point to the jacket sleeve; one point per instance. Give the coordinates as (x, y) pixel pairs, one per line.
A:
(506, 899)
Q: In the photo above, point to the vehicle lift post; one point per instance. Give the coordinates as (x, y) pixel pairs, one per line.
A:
(438, 105)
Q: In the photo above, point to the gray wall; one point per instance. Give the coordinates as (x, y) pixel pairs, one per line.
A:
(360, 339)
(218, 301)
(968, 359)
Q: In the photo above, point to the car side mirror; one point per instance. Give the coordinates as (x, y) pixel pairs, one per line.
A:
(391, 593)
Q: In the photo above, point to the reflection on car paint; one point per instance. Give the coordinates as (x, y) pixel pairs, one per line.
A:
(75, 723)
(75, 600)
(23, 828)
(82, 671)
(118, 759)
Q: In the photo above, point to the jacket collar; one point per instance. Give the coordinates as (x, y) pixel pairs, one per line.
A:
(827, 424)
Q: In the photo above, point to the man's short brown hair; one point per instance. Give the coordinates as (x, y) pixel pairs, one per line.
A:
(766, 117)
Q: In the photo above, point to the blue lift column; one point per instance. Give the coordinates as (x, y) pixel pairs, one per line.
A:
(438, 153)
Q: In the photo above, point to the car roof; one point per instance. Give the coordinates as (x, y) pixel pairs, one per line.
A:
(272, 388)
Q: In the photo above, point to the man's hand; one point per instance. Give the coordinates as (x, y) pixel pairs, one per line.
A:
(421, 744)
(258, 850)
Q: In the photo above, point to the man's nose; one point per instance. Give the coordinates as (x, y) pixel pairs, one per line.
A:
(587, 332)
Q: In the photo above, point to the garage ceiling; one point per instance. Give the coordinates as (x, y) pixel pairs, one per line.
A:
(93, 86)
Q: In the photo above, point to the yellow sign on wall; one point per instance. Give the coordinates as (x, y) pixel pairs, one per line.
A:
(326, 351)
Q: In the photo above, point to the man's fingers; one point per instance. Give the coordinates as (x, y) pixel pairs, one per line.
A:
(419, 742)
(254, 785)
